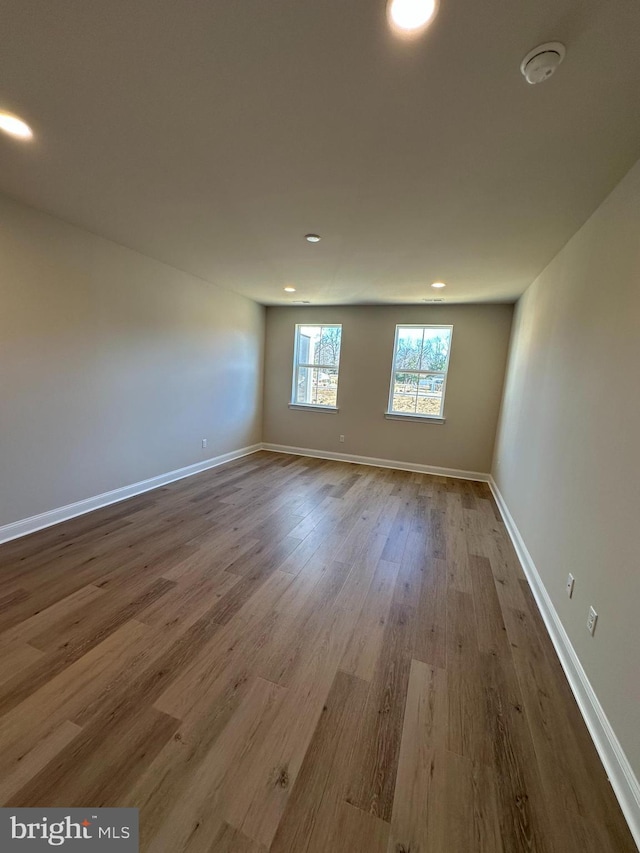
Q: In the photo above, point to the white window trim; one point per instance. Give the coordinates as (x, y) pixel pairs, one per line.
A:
(412, 416)
(415, 416)
(312, 407)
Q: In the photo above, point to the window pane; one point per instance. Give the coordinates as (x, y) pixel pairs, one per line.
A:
(405, 392)
(429, 397)
(329, 345)
(409, 348)
(317, 387)
(303, 388)
(319, 345)
(435, 349)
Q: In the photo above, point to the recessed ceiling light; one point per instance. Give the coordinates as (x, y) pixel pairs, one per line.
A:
(15, 126)
(301, 302)
(290, 289)
(438, 284)
(312, 238)
(410, 17)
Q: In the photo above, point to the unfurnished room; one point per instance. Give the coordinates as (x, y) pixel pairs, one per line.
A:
(320, 426)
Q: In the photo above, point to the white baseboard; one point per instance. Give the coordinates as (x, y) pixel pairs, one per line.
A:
(378, 463)
(623, 780)
(64, 513)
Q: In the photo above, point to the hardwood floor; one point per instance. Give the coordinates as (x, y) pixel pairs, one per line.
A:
(288, 654)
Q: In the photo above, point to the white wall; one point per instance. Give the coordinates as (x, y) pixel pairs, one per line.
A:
(474, 385)
(113, 366)
(567, 456)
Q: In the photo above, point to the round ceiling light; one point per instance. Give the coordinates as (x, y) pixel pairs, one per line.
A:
(312, 238)
(290, 289)
(438, 284)
(411, 17)
(14, 126)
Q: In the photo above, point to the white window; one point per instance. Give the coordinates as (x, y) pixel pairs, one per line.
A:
(316, 362)
(419, 374)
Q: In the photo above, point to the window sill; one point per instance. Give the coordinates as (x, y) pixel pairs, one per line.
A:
(433, 419)
(330, 409)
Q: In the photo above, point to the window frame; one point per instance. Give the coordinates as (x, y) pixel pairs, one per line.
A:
(297, 365)
(416, 416)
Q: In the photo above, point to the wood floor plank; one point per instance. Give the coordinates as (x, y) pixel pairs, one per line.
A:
(197, 797)
(152, 670)
(437, 538)
(399, 531)
(491, 630)
(36, 759)
(412, 565)
(159, 785)
(73, 645)
(296, 654)
(471, 803)
(430, 644)
(254, 571)
(523, 811)
(96, 767)
(356, 830)
(228, 650)
(211, 554)
(468, 733)
(71, 690)
(458, 574)
(15, 658)
(293, 638)
(305, 820)
(43, 620)
(373, 777)
(230, 840)
(361, 656)
(276, 764)
(418, 821)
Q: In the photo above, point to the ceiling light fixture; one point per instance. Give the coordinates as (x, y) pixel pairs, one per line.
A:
(290, 289)
(14, 126)
(312, 238)
(411, 17)
(438, 284)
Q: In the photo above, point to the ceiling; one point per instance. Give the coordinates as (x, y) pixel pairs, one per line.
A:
(213, 135)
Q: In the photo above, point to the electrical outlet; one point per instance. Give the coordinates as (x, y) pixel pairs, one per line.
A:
(204, 442)
(570, 582)
(592, 618)
(342, 439)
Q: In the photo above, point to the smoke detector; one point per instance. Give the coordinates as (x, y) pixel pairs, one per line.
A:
(541, 62)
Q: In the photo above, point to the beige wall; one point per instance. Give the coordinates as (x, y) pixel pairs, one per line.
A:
(474, 385)
(113, 367)
(568, 451)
